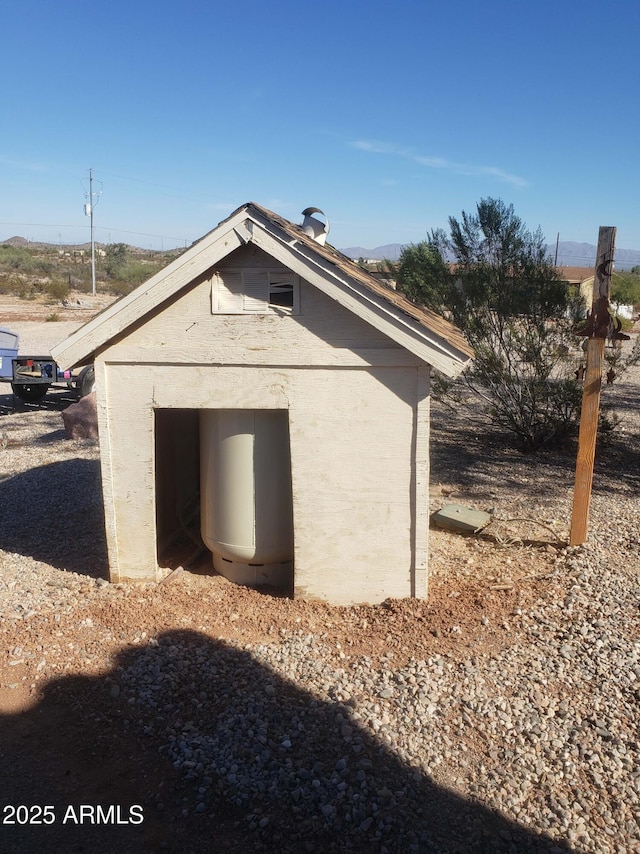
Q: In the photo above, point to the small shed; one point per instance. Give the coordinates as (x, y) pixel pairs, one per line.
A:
(272, 384)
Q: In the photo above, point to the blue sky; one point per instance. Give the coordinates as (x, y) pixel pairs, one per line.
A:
(389, 116)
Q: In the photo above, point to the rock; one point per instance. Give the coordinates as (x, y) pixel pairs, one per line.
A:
(81, 418)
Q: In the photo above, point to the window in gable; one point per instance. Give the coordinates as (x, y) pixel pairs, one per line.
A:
(281, 291)
(254, 292)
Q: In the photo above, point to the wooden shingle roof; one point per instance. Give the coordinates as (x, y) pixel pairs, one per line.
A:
(427, 318)
(421, 331)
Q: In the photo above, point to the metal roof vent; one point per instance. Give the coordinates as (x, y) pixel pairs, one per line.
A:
(314, 227)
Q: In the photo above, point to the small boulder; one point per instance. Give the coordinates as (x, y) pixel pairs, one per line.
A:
(81, 418)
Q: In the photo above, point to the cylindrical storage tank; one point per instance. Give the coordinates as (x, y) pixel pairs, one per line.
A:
(245, 488)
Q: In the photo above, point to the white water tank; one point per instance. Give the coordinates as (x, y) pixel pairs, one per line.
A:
(245, 488)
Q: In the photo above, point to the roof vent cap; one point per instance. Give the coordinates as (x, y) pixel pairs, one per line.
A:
(316, 229)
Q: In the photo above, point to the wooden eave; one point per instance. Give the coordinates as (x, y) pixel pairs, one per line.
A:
(421, 331)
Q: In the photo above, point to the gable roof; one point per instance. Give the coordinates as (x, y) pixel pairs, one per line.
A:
(421, 331)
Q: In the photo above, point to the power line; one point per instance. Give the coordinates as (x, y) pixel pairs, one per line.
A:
(97, 228)
(139, 233)
(45, 224)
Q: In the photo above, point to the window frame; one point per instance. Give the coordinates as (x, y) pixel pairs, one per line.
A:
(238, 291)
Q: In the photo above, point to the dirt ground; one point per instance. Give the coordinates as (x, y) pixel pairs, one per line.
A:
(79, 307)
(65, 740)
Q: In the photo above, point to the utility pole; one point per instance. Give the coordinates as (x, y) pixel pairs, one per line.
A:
(88, 210)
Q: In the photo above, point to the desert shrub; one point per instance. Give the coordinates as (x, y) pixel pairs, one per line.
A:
(58, 289)
(7, 284)
(492, 276)
(24, 261)
(134, 273)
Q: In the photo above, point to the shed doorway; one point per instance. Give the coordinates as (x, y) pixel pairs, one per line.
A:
(223, 494)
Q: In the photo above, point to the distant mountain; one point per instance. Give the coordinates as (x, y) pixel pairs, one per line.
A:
(569, 254)
(22, 242)
(584, 255)
(391, 251)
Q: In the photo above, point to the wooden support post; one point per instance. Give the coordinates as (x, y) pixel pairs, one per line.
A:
(587, 441)
(597, 327)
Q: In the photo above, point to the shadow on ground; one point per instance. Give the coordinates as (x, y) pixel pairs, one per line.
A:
(263, 766)
(55, 400)
(472, 454)
(54, 514)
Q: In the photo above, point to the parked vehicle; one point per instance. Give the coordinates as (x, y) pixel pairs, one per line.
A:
(8, 352)
(31, 377)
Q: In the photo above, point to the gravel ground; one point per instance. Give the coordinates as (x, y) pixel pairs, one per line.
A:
(501, 715)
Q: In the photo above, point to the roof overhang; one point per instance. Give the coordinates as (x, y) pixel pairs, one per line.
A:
(426, 335)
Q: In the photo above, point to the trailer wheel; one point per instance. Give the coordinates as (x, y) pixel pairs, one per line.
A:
(30, 393)
(86, 382)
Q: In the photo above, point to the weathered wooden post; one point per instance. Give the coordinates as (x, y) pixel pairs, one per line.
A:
(596, 330)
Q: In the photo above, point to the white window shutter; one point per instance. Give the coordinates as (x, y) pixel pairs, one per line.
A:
(256, 290)
(227, 296)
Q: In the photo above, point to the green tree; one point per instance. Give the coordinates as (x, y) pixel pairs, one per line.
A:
(115, 260)
(422, 274)
(625, 288)
(492, 276)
